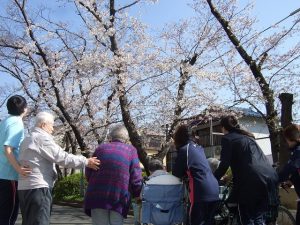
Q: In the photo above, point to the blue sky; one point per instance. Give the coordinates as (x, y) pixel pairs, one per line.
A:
(156, 15)
(267, 11)
(270, 11)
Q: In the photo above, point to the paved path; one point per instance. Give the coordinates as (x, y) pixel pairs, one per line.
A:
(66, 215)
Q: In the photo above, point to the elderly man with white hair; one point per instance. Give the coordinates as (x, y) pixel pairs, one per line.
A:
(107, 198)
(40, 153)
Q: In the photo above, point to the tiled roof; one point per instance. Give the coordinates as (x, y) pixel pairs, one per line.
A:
(214, 114)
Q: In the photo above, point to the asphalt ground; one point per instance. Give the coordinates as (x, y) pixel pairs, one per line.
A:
(66, 215)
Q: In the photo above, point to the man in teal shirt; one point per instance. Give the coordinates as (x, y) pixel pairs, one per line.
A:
(11, 135)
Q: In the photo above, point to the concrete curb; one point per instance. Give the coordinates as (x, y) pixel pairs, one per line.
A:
(75, 204)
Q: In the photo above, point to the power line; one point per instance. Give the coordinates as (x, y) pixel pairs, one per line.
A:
(288, 74)
(275, 24)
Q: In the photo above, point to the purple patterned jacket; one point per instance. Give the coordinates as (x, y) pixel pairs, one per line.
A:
(119, 175)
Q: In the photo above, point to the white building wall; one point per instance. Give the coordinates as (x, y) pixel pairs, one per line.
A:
(258, 127)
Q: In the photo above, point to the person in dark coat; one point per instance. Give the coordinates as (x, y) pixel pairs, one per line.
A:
(254, 179)
(203, 187)
(291, 170)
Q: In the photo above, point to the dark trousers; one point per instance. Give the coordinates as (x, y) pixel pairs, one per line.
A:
(9, 202)
(35, 205)
(252, 214)
(203, 213)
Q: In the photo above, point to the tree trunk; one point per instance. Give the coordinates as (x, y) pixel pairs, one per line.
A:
(286, 100)
(42, 52)
(135, 138)
(255, 67)
(183, 79)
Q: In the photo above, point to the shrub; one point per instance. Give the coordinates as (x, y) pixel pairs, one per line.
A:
(69, 188)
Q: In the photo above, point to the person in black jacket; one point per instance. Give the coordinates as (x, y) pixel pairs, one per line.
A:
(203, 187)
(291, 170)
(254, 179)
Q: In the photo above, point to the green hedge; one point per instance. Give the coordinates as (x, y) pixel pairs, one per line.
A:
(69, 188)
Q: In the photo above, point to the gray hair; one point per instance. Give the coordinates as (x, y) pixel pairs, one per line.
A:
(155, 164)
(213, 163)
(43, 117)
(118, 133)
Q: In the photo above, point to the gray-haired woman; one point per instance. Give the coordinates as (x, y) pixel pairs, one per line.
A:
(40, 152)
(107, 198)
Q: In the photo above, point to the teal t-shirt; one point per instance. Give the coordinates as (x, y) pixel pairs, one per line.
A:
(11, 134)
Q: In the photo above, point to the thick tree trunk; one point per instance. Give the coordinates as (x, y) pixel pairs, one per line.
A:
(134, 136)
(286, 100)
(275, 141)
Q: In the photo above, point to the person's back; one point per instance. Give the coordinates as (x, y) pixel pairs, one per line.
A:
(162, 197)
(203, 186)
(43, 172)
(11, 135)
(40, 153)
(108, 188)
(250, 167)
(161, 177)
(290, 172)
(119, 167)
(15, 124)
(254, 179)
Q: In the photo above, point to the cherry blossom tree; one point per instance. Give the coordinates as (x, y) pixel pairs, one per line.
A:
(88, 76)
(56, 73)
(104, 67)
(264, 63)
(164, 83)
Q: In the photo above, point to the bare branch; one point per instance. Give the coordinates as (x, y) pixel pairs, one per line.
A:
(282, 68)
(262, 60)
(127, 6)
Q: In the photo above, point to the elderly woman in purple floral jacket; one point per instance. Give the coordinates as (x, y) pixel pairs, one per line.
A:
(107, 198)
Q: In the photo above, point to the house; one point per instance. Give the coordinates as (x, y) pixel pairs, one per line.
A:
(153, 141)
(207, 130)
